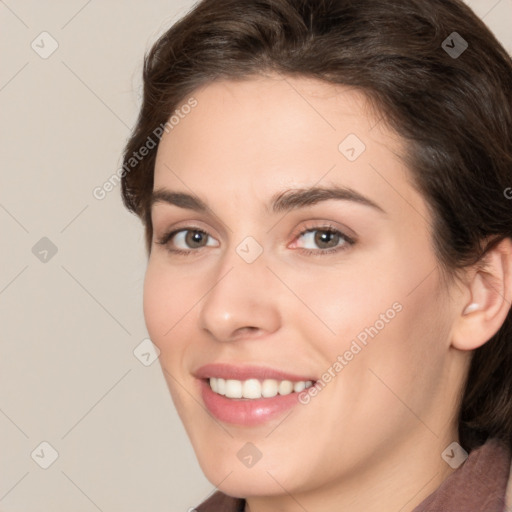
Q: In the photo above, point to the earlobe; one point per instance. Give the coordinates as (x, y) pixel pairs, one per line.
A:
(490, 291)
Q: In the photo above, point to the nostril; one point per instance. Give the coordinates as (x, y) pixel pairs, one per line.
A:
(245, 330)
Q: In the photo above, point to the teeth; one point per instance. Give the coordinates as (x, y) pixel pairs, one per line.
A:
(233, 388)
(251, 388)
(221, 386)
(254, 388)
(285, 387)
(299, 386)
(269, 388)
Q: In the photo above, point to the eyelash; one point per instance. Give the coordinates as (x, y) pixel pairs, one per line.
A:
(164, 240)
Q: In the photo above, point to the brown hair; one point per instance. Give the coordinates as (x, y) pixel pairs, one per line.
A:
(454, 112)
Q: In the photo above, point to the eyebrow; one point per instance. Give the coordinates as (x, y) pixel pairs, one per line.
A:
(280, 202)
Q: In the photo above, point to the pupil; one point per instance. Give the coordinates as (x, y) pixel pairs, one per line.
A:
(194, 237)
(325, 237)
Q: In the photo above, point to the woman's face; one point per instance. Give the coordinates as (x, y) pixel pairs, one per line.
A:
(283, 282)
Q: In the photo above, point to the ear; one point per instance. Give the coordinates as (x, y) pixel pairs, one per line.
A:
(487, 299)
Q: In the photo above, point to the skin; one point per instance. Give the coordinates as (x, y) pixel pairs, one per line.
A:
(372, 438)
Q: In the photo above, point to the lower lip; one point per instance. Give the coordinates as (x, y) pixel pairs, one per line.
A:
(246, 412)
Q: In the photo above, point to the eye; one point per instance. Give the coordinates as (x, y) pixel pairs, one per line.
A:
(327, 239)
(188, 238)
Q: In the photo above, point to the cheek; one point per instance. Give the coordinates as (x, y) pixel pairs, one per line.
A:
(165, 306)
(154, 306)
(400, 367)
(340, 304)
(387, 317)
(164, 303)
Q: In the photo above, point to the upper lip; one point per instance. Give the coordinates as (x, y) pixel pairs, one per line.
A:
(230, 371)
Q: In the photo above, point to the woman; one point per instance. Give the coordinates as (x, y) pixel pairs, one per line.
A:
(325, 190)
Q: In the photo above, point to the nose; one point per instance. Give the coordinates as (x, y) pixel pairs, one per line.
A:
(242, 301)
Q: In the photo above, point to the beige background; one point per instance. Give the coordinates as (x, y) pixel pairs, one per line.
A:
(70, 324)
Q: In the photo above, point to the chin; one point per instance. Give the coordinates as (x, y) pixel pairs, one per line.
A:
(246, 483)
(265, 478)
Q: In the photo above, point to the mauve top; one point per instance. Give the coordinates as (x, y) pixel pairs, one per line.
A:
(483, 483)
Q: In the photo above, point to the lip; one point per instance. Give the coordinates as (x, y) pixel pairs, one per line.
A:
(229, 371)
(243, 411)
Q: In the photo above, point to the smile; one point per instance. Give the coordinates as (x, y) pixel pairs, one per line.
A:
(249, 396)
(255, 389)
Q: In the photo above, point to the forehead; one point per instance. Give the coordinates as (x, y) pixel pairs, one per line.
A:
(272, 113)
(261, 135)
